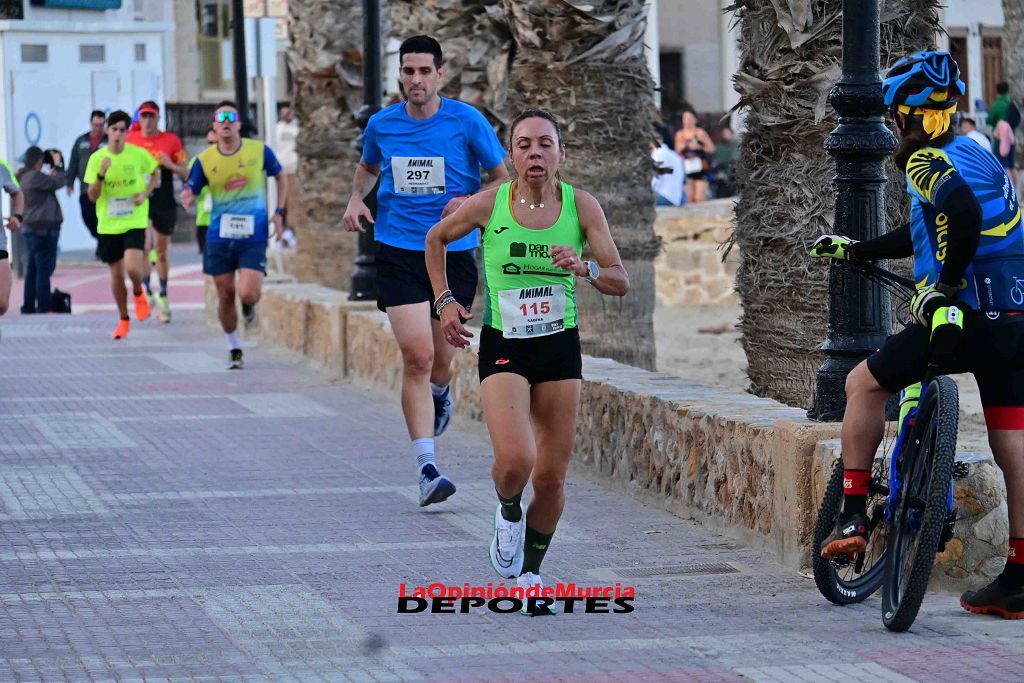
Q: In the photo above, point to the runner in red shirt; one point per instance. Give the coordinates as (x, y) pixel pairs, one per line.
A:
(169, 153)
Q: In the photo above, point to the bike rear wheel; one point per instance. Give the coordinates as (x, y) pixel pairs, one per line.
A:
(921, 510)
(845, 581)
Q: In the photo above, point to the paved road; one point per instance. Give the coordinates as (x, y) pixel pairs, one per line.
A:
(164, 519)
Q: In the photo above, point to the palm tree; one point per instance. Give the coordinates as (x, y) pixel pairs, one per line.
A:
(326, 63)
(790, 56)
(585, 63)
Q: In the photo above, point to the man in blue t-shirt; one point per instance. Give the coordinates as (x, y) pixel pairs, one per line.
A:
(428, 152)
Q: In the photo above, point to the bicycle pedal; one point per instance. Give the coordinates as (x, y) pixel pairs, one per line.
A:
(961, 470)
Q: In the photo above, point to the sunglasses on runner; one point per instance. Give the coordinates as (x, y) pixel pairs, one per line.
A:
(226, 117)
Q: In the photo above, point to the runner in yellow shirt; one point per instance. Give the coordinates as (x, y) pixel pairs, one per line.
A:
(121, 178)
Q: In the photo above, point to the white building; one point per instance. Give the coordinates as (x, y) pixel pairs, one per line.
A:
(697, 54)
(59, 64)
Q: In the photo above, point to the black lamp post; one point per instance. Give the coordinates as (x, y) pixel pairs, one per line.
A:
(364, 279)
(859, 314)
(241, 73)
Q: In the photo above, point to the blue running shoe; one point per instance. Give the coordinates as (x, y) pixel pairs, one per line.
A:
(434, 487)
(442, 411)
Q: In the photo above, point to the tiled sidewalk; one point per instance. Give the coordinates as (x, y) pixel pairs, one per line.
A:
(164, 519)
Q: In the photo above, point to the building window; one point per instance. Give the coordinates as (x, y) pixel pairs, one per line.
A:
(140, 52)
(92, 53)
(214, 18)
(38, 54)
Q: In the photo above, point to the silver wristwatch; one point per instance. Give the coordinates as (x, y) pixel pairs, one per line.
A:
(595, 271)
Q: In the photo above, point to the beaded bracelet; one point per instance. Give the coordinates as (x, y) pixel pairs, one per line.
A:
(440, 307)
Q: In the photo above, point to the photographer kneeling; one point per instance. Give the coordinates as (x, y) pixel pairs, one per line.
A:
(41, 227)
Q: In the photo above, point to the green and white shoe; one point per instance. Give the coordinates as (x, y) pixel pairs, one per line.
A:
(163, 308)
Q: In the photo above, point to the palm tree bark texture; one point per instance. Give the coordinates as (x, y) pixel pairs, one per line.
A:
(790, 59)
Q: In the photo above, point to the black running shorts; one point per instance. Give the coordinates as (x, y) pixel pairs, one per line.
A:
(550, 358)
(402, 277)
(163, 218)
(990, 349)
(111, 248)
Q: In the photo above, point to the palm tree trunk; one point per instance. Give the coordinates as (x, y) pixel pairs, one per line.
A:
(326, 62)
(790, 55)
(585, 64)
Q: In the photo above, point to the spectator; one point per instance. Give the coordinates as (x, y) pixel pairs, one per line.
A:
(968, 128)
(84, 146)
(287, 134)
(1000, 109)
(10, 185)
(43, 218)
(1004, 148)
(725, 162)
(668, 183)
(695, 146)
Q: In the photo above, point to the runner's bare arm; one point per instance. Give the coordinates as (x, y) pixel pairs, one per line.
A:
(282, 194)
(613, 279)
(476, 210)
(154, 179)
(363, 182)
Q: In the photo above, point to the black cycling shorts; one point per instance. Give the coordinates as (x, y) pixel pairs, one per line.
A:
(164, 218)
(111, 248)
(990, 349)
(402, 277)
(550, 358)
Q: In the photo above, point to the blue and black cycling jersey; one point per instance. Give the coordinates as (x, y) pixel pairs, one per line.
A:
(936, 177)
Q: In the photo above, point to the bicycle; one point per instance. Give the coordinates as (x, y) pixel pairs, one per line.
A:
(910, 496)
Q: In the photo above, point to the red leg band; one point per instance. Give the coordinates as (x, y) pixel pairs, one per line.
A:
(1016, 552)
(1004, 417)
(855, 482)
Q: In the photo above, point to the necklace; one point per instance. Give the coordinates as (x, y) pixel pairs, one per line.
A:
(532, 206)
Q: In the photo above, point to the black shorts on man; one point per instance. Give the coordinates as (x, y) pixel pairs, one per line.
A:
(402, 277)
(992, 349)
(111, 248)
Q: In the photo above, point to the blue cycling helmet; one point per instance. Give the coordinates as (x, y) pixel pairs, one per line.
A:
(917, 79)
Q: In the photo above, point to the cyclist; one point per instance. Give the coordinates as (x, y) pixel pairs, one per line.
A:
(966, 238)
(530, 362)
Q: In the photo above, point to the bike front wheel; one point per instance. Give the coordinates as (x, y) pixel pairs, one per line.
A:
(925, 473)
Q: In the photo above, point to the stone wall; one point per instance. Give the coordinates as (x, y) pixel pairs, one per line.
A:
(693, 268)
(746, 465)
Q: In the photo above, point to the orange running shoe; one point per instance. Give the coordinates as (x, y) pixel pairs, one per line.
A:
(121, 331)
(141, 306)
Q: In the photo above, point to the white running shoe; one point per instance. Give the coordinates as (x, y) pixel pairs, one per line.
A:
(535, 607)
(507, 545)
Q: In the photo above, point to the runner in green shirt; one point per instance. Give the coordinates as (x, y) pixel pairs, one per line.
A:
(530, 362)
(121, 178)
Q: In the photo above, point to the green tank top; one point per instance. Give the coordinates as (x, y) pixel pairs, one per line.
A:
(524, 295)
